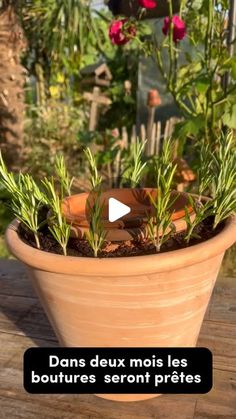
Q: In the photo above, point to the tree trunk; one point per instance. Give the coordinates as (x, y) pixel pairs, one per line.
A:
(12, 79)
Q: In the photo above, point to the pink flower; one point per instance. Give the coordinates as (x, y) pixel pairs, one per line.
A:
(179, 30)
(119, 34)
(147, 4)
(115, 133)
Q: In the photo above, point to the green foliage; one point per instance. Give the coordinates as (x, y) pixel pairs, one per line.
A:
(65, 180)
(202, 211)
(197, 85)
(57, 223)
(26, 198)
(217, 175)
(135, 165)
(95, 178)
(50, 131)
(224, 178)
(160, 225)
(58, 30)
(205, 173)
(96, 235)
(123, 65)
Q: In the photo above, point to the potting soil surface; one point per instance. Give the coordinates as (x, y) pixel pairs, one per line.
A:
(81, 247)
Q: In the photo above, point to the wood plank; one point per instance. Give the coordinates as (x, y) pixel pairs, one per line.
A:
(11, 387)
(24, 316)
(181, 406)
(14, 347)
(221, 401)
(14, 280)
(13, 408)
(220, 338)
(223, 301)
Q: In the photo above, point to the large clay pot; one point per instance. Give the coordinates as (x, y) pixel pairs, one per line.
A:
(150, 301)
(131, 7)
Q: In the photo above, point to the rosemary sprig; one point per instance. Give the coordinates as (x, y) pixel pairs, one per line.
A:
(26, 198)
(62, 173)
(96, 234)
(205, 171)
(58, 225)
(224, 178)
(202, 211)
(136, 166)
(95, 178)
(160, 225)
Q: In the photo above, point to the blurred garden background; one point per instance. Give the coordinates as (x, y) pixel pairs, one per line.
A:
(64, 85)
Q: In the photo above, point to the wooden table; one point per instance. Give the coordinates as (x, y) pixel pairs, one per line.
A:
(23, 325)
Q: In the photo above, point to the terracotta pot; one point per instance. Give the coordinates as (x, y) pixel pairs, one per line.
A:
(134, 224)
(150, 301)
(131, 7)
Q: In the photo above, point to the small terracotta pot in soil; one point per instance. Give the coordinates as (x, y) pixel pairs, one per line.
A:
(150, 301)
(132, 226)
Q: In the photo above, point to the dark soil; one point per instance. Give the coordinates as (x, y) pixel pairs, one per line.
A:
(78, 247)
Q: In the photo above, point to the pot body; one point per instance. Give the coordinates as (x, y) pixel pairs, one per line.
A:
(149, 301)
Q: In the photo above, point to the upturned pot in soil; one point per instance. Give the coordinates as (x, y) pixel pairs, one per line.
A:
(150, 301)
(75, 208)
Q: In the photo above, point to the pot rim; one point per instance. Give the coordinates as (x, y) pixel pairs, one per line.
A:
(120, 266)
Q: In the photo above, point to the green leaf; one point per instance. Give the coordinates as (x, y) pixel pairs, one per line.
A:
(202, 84)
(229, 117)
(233, 70)
(191, 126)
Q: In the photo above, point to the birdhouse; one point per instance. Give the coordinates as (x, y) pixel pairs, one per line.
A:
(97, 75)
(131, 8)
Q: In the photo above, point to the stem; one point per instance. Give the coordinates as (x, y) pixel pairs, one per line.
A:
(64, 250)
(171, 49)
(190, 232)
(175, 95)
(36, 237)
(157, 243)
(210, 111)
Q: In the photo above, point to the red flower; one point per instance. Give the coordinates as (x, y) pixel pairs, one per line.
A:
(147, 4)
(120, 33)
(179, 30)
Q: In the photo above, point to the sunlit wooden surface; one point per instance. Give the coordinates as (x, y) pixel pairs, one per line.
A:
(23, 325)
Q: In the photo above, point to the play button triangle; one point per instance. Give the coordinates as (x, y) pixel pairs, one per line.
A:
(117, 210)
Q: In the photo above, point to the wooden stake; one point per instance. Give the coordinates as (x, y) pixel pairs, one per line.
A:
(96, 99)
(158, 138)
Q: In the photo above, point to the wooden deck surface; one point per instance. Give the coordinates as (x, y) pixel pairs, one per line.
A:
(23, 324)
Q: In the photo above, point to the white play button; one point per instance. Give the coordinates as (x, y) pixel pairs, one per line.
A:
(117, 210)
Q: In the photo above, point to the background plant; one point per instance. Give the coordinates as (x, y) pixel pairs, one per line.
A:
(199, 71)
(198, 86)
